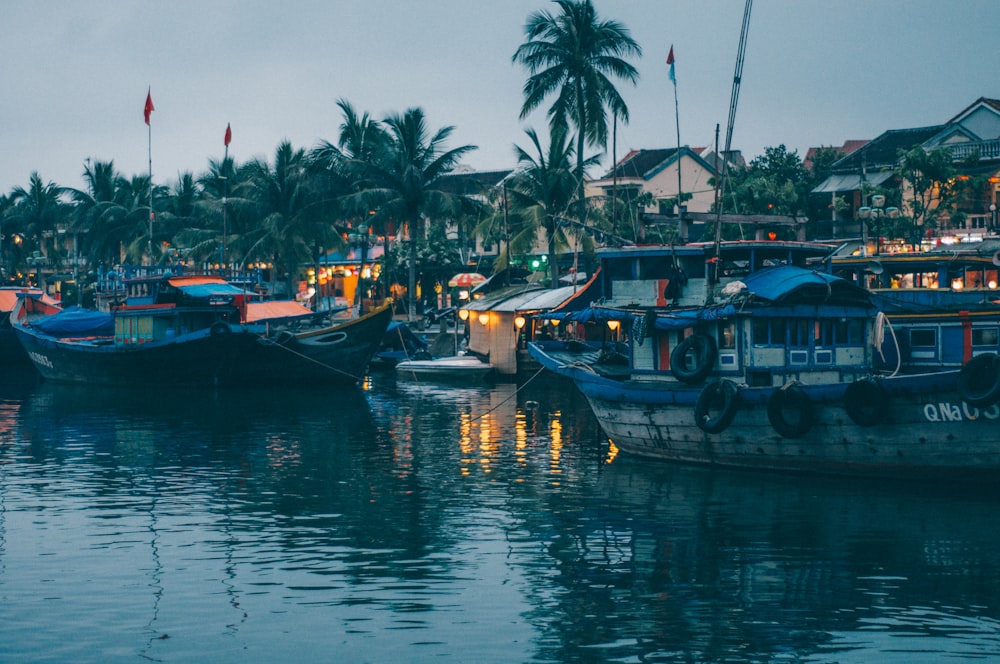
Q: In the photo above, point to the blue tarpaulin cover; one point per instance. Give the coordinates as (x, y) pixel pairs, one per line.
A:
(76, 322)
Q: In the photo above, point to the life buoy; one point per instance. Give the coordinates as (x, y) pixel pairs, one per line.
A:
(979, 380)
(719, 396)
(704, 351)
(866, 402)
(790, 400)
(219, 327)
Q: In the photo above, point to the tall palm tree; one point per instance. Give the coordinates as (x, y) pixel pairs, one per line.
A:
(574, 54)
(293, 223)
(542, 190)
(401, 182)
(38, 213)
(112, 214)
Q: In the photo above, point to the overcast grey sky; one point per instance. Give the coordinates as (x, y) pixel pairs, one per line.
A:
(74, 74)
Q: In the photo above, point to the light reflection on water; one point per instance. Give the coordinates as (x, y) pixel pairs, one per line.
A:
(417, 521)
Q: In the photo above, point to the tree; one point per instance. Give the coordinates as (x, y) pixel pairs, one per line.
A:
(37, 213)
(925, 171)
(541, 192)
(293, 224)
(401, 181)
(574, 55)
(112, 214)
(775, 182)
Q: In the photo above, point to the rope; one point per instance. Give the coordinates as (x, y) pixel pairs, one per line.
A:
(516, 390)
(310, 359)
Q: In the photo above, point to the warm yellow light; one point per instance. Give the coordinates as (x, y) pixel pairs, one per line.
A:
(463, 314)
(519, 322)
(992, 284)
(484, 318)
(554, 322)
(613, 325)
(956, 284)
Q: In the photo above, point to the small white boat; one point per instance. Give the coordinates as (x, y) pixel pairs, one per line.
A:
(456, 367)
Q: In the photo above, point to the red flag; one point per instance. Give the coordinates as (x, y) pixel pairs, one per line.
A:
(149, 106)
(229, 136)
(670, 55)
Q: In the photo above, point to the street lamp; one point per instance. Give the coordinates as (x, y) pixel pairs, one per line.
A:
(875, 214)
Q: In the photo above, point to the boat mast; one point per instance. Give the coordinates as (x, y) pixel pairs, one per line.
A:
(734, 97)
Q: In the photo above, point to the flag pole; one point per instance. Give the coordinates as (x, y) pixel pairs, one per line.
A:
(147, 111)
(225, 192)
(677, 122)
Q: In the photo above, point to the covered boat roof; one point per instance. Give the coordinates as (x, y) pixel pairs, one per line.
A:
(258, 312)
(786, 281)
(205, 287)
(523, 298)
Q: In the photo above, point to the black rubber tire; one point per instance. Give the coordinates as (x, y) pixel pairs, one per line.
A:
(790, 399)
(979, 380)
(866, 402)
(705, 353)
(721, 396)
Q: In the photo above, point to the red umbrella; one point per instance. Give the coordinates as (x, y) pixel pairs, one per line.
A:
(466, 280)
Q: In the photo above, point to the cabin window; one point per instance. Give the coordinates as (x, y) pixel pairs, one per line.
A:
(768, 332)
(927, 280)
(656, 268)
(923, 338)
(727, 336)
(985, 336)
(799, 333)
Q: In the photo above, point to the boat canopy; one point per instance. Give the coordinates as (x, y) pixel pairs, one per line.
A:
(208, 289)
(76, 322)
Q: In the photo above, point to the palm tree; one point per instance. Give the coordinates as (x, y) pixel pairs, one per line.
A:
(401, 182)
(293, 223)
(39, 214)
(542, 190)
(574, 54)
(112, 213)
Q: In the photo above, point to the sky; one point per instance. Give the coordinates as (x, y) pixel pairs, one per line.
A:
(74, 75)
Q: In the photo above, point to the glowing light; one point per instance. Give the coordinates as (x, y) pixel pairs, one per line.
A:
(956, 284)
(484, 318)
(519, 322)
(613, 325)
(463, 314)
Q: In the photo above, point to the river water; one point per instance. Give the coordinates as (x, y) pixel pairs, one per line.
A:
(413, 522)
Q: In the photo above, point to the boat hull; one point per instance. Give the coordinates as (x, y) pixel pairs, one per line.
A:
(340, 353)
(456, 368)
(201, 358)
(927, 430)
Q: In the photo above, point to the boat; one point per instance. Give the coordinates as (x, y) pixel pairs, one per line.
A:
(400, 343)
(779, 371)
(452, 368)
(39, 304)
(185, 336)
(309, 351)
(198, 330)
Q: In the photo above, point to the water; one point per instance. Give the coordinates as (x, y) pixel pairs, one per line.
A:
(417, 523)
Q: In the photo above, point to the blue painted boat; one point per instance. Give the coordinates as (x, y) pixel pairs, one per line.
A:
(783, 371)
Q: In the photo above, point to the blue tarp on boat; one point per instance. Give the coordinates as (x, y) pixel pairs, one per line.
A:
(76, 322)
(206, 291)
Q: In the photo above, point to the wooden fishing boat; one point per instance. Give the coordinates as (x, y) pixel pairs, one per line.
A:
(779, 372)
(199, 330)
(38, 304)
(322, 349)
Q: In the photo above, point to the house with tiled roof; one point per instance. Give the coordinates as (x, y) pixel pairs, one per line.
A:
(660, 173)
(973, 132)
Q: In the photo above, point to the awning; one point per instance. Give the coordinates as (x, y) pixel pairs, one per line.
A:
(850, 182)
